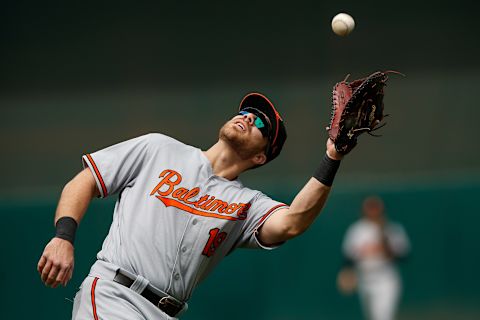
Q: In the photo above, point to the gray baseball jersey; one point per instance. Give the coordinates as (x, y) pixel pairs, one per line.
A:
(174, 220)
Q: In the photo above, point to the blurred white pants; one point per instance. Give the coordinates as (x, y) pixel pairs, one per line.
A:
(379, 293)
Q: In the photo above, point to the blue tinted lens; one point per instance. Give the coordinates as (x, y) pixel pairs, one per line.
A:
(258, 122)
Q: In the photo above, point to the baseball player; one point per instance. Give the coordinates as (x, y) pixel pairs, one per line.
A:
(180, 210)
(371, 247)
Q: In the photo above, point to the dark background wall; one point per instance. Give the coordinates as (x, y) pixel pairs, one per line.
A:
(76, 77)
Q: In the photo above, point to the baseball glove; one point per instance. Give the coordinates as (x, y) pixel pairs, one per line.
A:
(357, 107)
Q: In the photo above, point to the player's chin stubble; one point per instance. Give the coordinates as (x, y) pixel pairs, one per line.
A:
(240, 143)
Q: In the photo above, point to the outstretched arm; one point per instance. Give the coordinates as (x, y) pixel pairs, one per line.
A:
(56, 263)
(285, 224)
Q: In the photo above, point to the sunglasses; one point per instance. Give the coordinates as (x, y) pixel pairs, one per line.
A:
(258, 122)
(261, 124)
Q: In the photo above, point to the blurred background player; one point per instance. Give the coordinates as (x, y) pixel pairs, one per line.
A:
(372, 245)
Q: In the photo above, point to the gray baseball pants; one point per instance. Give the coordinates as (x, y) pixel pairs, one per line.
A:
(100, 298)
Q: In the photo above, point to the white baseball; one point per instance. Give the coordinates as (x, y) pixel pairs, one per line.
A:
(343, 24)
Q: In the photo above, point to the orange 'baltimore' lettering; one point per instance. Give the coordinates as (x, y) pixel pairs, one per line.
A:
(179, 193)
(183, 199)
(190, 194)
(206, 206)
(167, 180)
(218, 205)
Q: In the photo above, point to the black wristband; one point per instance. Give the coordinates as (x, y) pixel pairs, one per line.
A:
(327, 170)
(66, 227)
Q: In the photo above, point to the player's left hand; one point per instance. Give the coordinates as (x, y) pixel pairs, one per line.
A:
(357, 107)
(332, 152)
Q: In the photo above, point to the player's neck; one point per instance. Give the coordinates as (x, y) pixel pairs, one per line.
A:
(225, 161)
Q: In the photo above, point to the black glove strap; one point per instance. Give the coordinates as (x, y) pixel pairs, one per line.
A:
(327, 170)
(66, 227)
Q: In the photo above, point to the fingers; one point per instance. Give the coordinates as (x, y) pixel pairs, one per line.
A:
(52, 275)
(46, 271)
(41, 264)
(60, 277)
(68, 276)
(64, 276)
(58, 274)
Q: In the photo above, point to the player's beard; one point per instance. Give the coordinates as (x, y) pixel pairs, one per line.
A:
(241, 143)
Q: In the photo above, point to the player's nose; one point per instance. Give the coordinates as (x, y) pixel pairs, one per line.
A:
(250, 118)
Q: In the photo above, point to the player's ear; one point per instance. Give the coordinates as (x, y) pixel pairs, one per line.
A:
(259, 159)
